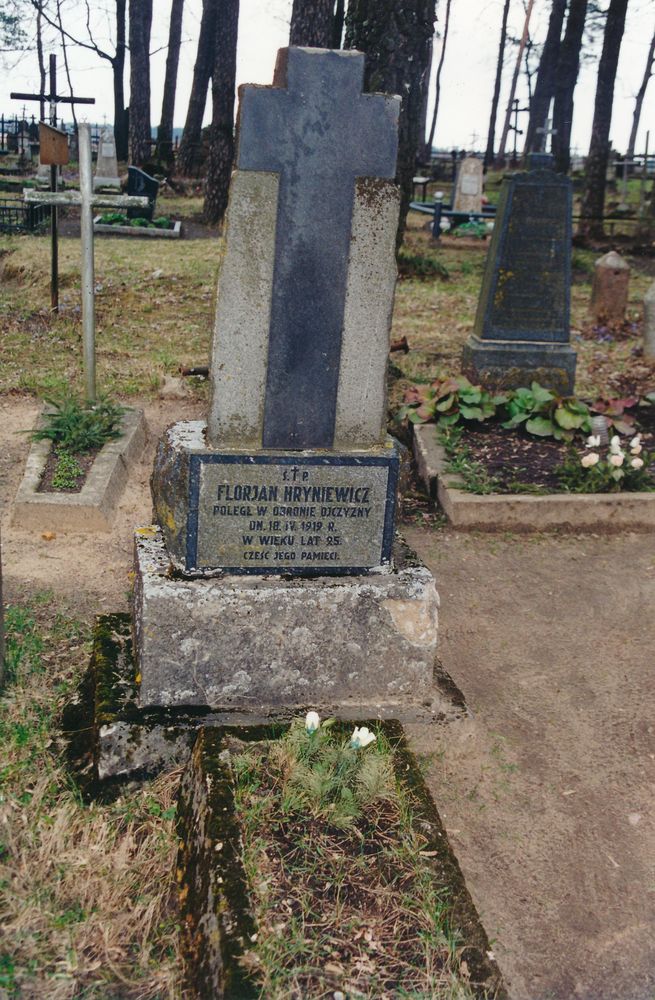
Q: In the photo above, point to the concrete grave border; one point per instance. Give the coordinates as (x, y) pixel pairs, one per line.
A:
(525, 512)
(94, 507)
(162, 234)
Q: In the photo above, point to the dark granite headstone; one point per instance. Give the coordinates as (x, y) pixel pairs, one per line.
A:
(521, 330)
(142, 184)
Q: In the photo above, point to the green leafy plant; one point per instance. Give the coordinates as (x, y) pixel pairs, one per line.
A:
(449, 402)
(67, 473)
(114, 219)
(162, 222)
(477, 230)
(76, 426)
(607, 470)
(545, 414)
(140, 223)
(475, 478)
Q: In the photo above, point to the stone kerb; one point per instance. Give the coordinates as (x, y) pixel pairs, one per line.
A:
(608, 512)
(153, 233)
(94, 507)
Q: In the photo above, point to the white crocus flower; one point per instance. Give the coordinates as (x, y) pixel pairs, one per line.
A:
(615, 445)
(636, 463)
(361, 738)
(312, 722)
(588, 460)
(593, 441)
(636, 442)
(636, 449)
(617, 460)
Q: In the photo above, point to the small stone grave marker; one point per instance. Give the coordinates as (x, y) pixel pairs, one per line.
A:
(141, 184)
(106, 174)
(609, 290)
(468, 187)
(522, 325)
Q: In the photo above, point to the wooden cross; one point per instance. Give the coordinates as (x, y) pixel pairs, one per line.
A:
(87, 200)
(53, 98)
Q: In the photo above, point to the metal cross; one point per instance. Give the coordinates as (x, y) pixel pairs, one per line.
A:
(87, 200)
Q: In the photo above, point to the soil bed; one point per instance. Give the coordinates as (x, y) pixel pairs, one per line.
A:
(84, 459)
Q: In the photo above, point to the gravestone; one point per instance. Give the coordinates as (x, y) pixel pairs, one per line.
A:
(609, 290)
(522, 326)
(649, 323)
(142, 185)
(271, 580)
(106, 175)
(468, 187)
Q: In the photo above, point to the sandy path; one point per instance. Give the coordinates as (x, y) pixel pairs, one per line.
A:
(547, 788)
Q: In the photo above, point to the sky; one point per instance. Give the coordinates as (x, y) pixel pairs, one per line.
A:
(466, 82)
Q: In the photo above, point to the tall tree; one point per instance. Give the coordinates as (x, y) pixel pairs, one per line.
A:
(188, 155)
(140, 21)
(544, 90)
(566, 77)
(221, 133)
(593, 200)
(337, 24)
(639, 99)
(423, 150)
(312, 23)
(515, 76)
(396, 40)
(165, 130)
(491, 137)
(437, 82)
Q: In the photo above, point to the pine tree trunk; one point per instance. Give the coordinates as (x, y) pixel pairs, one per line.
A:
(437, 82)
(118, 71)
(639, 100)
(311, 23)
(221, 144)
(396, 40)
(545, 86)
(423, 151)
(188, 155)
(337, 24)
(165, 130)
(593, 201)
(140, 131)
(515, 76)
(491, 138)
(568, 66)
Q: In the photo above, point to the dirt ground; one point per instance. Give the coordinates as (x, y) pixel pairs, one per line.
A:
(546, 789)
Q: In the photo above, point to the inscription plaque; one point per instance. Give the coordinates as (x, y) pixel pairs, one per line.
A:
(300, 514)
(470, 184)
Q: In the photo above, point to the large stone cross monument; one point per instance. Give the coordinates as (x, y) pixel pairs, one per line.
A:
(271, 580)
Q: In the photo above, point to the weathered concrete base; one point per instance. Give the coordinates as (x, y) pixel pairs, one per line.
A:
(607, 512)
(152, 233)
(106, 183)
(510, 364)
(255, 643)
(218, 924)
(110, 736)
(93, 508)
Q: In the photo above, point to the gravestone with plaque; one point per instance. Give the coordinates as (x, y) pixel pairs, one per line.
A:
(272, 578)
(106, 175)
(468, 186)
(141, 184)
(522, 326)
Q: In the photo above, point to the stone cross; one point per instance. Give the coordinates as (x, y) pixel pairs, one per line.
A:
(87, 200)
(315, 134)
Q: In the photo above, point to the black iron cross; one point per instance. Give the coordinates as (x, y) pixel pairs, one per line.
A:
(319, 132)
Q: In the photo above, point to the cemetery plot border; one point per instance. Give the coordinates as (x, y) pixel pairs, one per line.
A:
(93, 508)
(151, 232)
(508, 512)
(217, 918)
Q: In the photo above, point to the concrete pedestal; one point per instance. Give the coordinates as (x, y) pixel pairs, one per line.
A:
(510, 364)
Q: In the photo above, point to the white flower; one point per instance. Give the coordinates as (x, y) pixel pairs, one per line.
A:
(615, 445)
(588, 460)
(361, 738)
(312, 722)
(636, 442)
(636, 449)
(593, 441)
(617, 460)
(636, 463)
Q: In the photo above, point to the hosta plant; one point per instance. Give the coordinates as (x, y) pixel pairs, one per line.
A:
(545, 414)
(449, 402)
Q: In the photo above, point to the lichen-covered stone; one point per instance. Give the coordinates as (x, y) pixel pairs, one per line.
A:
(240, 642)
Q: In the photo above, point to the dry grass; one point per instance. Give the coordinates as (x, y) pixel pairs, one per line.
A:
(87, 898)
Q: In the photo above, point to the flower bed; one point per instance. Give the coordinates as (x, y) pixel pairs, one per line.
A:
(313, 863)
(159, 228)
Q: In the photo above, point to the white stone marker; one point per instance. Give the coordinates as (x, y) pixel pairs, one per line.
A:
(468, 187)
(106, 175)
(87, 200)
